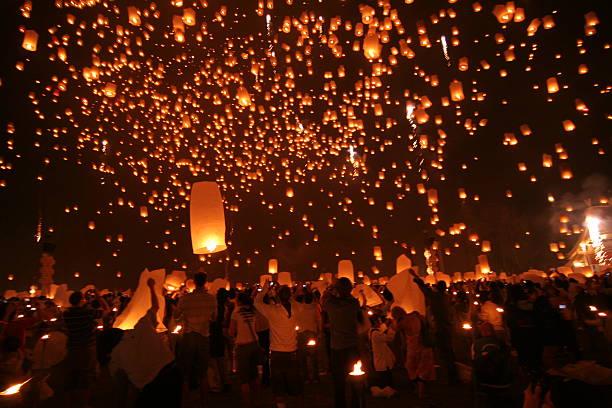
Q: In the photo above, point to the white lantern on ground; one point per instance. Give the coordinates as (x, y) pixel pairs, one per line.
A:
(140, 302)
(406, 293)
(207, 218)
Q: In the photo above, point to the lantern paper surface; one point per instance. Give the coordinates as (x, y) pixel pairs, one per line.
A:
(215, 285)
(207, 218)
(141, 302)
(264, 278)
(284, 278)
(345, 270)
(402, 263)
(273, 266)
(406, 293)
(372, 299)
(175, 280)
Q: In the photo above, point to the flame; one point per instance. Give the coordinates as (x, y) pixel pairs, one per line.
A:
(45, 337)
(466, 326)
(177, 329)
(14, 389)
(311, 342)
(357, 369)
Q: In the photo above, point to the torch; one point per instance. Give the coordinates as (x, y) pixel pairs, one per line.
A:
(357, 386)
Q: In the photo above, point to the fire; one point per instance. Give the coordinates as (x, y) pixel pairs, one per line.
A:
(357, 369)
(14, 389)
(466, 326)
(311, 342)
(177, 329)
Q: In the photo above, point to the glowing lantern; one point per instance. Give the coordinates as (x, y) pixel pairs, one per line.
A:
(30, 40)
(463, 64)
(91, 225)
(289, 192)
(548, 22)
(566, 172)
(483, 262)
(140, 302)
(533, 26)
(244, 99)
(378, 253)
(133, 16)
(421, 116)
(144, 212)
(568, 125)
(486, 246)
(591, 19)
(432, 196)
(547, 160)
(402, 263)
(583, 69)
(554, 247)
(357, 369)
(189, 17)
(110, 90)
(345, 270)
(284, 278)
(552, 85)
(273, 266)
(501, 13)
(462, 194)
(456, 90)
(175, 280)
(371, 45)
(207, 218)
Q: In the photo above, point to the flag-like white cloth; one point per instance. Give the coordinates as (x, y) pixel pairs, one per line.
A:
(141, 302)
(406, 293)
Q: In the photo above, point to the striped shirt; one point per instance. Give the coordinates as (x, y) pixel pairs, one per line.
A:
(196, 310)
(81, 326)
(245, 318)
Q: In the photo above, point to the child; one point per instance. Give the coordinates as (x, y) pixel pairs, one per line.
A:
(382, 357)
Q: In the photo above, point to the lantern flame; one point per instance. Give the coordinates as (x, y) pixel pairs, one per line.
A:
(177, 329)
(311, 342)
(14, 389)
(357, 369)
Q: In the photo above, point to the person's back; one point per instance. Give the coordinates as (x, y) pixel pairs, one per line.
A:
(343, 313)
(81, 324)
(196, 309)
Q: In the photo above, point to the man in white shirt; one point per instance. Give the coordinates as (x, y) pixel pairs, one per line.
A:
(284, 362)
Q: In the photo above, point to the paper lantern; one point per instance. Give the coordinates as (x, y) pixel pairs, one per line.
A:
(345, 270)
(326, 277)
(432, 196)
(189, 16)
(144, 212)
(372, 299)
(284, 278)
(483, 262)
(110, 90)
(402, 263)
(486, 246)
(243, 96)
(272, 266)
(568, 125)
(552, 85)
(378, 253)
(264, 278)
(406, 293)
(140, 302)
(456, 90)
(49, 350)
(30, 40)
(133, 16)
(371, 45)
(547, 160)
(207, 219)
(175, 280)
(457, 277)
(214, 286)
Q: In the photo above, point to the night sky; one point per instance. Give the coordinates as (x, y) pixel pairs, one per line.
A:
(71, 154)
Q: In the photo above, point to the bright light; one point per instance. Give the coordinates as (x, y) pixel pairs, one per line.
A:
(177, 329)
(311, 342)
(14, 389)
(211, 245)
(45, 337)
(499, 309)
(466, 326)
(357, 369)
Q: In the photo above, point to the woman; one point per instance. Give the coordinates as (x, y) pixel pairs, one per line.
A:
(243, 329)
(419, 356)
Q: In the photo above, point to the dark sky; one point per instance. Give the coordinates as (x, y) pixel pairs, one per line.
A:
(73, 177)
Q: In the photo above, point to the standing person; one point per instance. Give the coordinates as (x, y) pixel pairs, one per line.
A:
(218, 341)
(419, 356)
(383, 358)
(284, 361)
(196, 310)
(440, 307)
(80, 362)
(309, 322)
(248, 352)
(344, 315)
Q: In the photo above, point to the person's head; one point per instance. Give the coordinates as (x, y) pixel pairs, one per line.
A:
(487, 330)
(441, 285)
(397, 313)
(222, 295)
(284, 294)
(375, 321)
(76, 299)
(308, 297)
(244, 299)
(199, 279)
(344, 286)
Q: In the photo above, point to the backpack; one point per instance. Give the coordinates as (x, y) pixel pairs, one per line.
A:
(492, 365)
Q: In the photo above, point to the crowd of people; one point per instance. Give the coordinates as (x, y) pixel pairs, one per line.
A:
(551, 340)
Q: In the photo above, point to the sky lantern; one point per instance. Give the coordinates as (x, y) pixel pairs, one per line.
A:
(110, 90)
(378, 253)
(133, 16)
(547, 160)
(568, 125)
(243, 96)
(371, 45)
(289, 192)
(144, 212)
(345, 270)
(483, 261)
(432, 196)
(207, 218)
(552, 85)
(30, 40)
(272, 266)
(189, 16)
(485, 246)
(456, 90)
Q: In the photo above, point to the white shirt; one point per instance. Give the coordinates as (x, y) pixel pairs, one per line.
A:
(283, 332)
(383, 357)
